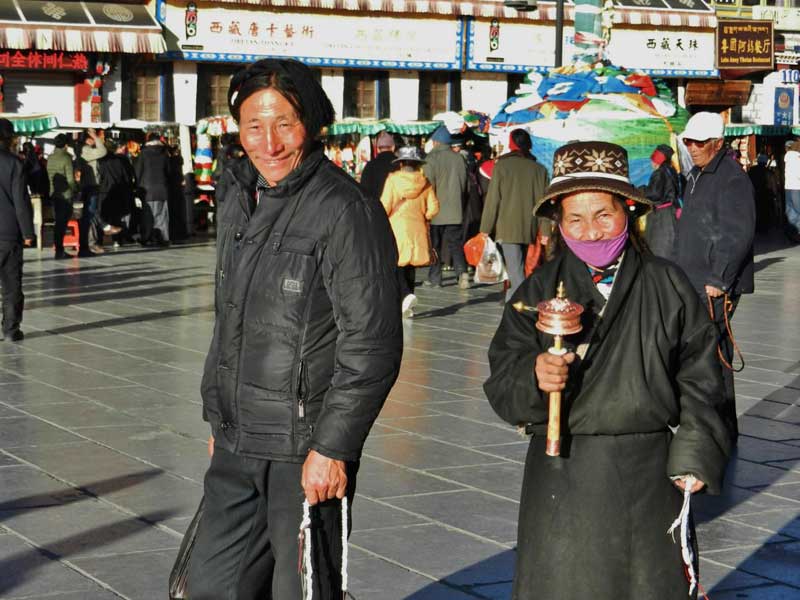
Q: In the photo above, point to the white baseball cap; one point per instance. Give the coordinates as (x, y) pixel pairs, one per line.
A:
(704, 126)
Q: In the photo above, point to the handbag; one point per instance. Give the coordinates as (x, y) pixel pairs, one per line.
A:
(177, 577)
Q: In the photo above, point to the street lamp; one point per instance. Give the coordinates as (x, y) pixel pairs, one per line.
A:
(529, 5)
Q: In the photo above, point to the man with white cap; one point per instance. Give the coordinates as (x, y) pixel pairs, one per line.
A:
(715, 234)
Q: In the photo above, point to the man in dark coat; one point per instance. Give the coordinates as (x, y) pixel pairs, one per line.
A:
(16, 232)
(715, 234)
(377, 170)
(517, 182)
(641, 392)
(153, 176)
(307, 343)
(117, 184)
(447, 172)
(663, 190)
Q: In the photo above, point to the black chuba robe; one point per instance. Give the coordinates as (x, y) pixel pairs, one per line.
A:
(593, 522)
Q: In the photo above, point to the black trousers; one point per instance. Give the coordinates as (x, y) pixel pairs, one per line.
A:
(726, 346)
(11, 284)
(247, 546)
(406, 278)
(447, 236)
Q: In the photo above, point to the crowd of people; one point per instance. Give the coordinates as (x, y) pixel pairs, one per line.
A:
(96, 181)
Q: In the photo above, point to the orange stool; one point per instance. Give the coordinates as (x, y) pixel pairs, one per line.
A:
(71, 234)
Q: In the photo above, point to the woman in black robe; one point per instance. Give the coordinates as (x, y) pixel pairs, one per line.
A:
(641, 389)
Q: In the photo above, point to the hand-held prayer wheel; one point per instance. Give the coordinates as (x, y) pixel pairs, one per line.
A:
(558, 317)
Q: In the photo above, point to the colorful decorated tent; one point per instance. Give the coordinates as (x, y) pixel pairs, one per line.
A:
(594, 102)
(592, 99)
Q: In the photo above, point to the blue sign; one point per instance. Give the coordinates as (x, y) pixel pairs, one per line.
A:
(784, 106)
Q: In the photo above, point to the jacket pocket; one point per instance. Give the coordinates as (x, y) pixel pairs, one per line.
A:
(295, 266)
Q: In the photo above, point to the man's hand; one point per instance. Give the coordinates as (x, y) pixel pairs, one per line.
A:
(681, 484)
(210, 445)
(552, 370)
(28, 242)
(713, 292)
(323, 478)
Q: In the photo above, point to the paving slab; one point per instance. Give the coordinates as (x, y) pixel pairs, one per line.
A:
(102, 444)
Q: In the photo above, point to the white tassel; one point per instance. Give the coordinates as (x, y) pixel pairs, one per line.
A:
(682, 521)
(344, 546)
(305, 532)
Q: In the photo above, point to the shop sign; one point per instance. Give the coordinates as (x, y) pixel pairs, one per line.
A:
(784, 106)
(744, 44)
(37, 60)
(510, 46)
(205, 32)
(522, 47)
(666, 53)
(785, 19)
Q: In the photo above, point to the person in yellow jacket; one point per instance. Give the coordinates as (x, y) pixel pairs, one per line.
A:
(410, 203)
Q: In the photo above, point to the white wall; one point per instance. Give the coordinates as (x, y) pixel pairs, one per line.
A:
(112, 94)
(760, 107)
(484, 92)
(184, 84)
(404, 95)
(333, 83)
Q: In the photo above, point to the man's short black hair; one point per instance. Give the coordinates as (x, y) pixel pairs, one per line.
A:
(152, 136)
(60, 140)
(294, 81)
(522, 139)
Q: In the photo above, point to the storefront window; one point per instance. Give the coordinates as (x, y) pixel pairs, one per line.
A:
(148, 93)
(366, 94)
(439, 92)
(218, 84)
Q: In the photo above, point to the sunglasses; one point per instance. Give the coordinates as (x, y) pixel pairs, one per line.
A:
(689, 142)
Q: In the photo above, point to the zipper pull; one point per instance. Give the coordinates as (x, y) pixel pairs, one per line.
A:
(301, 408)
(222, 273)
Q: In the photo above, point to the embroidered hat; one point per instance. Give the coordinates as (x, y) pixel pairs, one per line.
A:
(591, 166)
(409, 154)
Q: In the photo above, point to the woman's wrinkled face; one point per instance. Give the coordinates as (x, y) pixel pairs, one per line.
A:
(272, 134)
(591, 216)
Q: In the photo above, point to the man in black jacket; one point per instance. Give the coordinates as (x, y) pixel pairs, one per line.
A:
(378, 169)
(153, 176)
(307, 344)
(16, 231)
(715, 234)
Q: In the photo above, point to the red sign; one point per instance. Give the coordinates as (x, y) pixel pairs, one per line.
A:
(43, 61)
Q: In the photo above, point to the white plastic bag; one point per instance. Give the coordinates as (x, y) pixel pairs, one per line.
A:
(491, 268)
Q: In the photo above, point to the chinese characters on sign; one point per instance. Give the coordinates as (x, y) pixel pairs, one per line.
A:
(744, 44)
(689, 53)
(43, 61)
(244, 34)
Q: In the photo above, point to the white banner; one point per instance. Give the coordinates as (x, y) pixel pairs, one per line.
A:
(520, 47)
(786, 19)
(201, 31)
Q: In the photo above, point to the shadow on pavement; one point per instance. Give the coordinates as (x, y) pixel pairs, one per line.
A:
(489, 579)
(454, 308)
(118, 321)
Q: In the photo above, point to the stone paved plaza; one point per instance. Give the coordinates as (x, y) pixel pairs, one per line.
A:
(103, 450)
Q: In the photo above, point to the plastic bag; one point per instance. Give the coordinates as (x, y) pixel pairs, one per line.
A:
(491, 268)
(473, 249)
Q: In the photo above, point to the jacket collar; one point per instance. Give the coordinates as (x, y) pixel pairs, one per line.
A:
(713, 164)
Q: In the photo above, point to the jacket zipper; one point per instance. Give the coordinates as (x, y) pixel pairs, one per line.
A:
(301, 392)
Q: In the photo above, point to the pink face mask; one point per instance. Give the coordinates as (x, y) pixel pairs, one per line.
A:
(599, 253)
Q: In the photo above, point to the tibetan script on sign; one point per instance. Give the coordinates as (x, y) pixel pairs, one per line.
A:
(744, 44)
(35, 60)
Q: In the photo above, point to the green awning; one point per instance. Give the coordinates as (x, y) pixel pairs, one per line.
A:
(767, 130)
(374, 126)
(26, 124)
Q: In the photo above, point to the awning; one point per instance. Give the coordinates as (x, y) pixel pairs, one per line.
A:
(738, 130)
(373, 126)
(27, 124)
(659, 13)
(79, 27)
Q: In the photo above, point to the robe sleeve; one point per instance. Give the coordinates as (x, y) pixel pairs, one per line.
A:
(512, 388)
(702, 443)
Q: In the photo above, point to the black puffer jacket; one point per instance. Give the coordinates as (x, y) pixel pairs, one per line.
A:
(308, 335)
(715, 232)
(16, 214)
